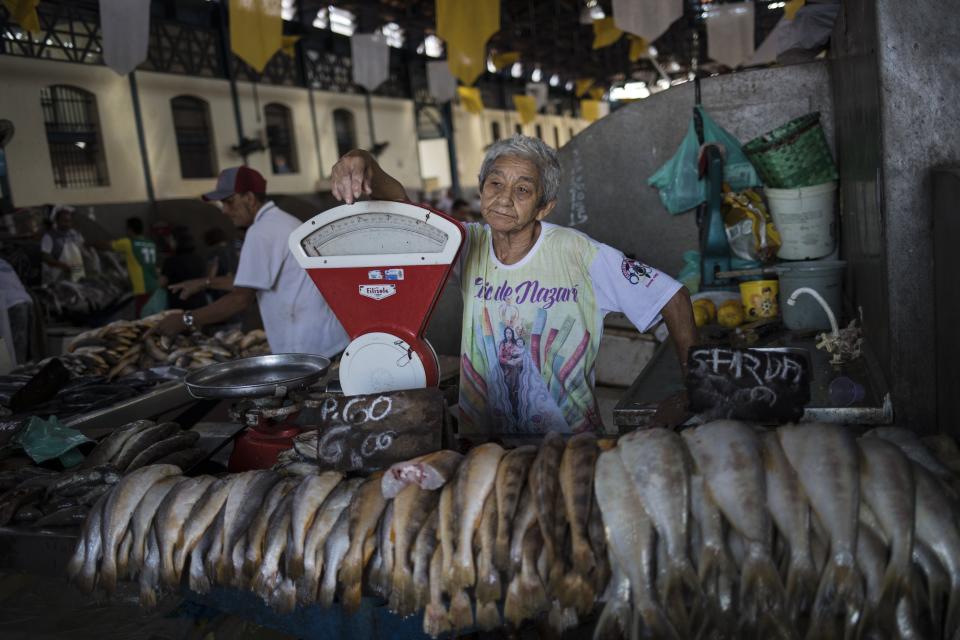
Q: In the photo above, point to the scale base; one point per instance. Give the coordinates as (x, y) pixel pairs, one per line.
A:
(378, 362)
(254, 449)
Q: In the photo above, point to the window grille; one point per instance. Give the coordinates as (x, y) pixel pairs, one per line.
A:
(495, 130)
(280, 139)
(73, 137)
(345, 129)
(540, 132)
(191, 122)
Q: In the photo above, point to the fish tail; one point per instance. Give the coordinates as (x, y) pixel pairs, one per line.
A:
(584, 562)
(306, 589)
(148, 596)
(199, 578)
(561, 618)
(614, 621)
(76, 560)
(801, 588)
(108, 573)
(841, 588)
(488, 588)
(284, 598)
(350, 570)
(682, 587)
(352, 593)
(461, 613)
(652, 621)
(263, 583)
(421, 595)
(513, 604)
(575, 591)
(435, 620)
(897, 582)
(462, 573)
(403, 596)
(952, 625)
(295, 567)
(761, 592)
(488, 616)
(327, 591)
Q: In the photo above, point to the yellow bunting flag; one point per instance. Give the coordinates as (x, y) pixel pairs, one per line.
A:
(470, 99)
(582, 85)
(638, 47)
(466, 27)
(526, 106)
(605, 33)
(504, 60)
(597, 93)
(590, 110)
(289, 46)
(790, 10)
(24, 13)
(256, 31)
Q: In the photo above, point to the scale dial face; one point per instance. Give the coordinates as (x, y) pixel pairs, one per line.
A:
(374, 233)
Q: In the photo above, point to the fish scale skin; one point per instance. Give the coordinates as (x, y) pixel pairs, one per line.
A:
(511, 479)
(475, 480)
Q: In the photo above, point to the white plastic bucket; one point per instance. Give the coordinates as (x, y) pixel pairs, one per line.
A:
(805, 220)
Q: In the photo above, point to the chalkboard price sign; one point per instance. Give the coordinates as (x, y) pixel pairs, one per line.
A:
(762, 385)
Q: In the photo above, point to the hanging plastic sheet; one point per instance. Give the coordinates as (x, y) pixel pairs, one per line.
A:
(526, 107)
(810, 29)
(371, 60)
(256, 31)
(466, 27)
(125, 27)
(678, 180)
(730, 33)
(582, 85)
(647, 18)
(442, 84)
(605, 33)
(470, 99)
(24, 13)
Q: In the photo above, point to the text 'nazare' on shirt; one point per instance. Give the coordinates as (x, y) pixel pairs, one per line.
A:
(295, 316)
(531, 330)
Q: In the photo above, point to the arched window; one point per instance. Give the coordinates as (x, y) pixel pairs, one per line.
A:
(556, 137)
(495, 130)
(73, 136)
(345, 128)
(540, 132)
(191, 122)
(283, 151)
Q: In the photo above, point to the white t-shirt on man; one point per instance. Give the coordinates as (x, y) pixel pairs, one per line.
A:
(295, 316)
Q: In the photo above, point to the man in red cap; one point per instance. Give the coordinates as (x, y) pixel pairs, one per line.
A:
(295, 316)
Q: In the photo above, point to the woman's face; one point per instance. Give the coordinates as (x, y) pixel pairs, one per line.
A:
(510, 193)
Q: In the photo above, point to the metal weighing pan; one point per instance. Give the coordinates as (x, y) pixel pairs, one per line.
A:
(257, 377)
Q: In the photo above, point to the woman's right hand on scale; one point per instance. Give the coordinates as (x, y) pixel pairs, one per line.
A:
(351, 177)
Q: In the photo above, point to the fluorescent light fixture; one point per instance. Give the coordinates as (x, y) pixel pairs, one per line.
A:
(537, 75)
(81, 144)
(491, 68)
(392, 35)
(776, 5)
(342, 21)
(431, 46)
(287, 9)
(569, 85)
(554, 80)
(516, 70)
(652, 51)
(322, 21)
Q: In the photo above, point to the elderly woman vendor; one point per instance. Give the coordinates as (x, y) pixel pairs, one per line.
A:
(534, 294)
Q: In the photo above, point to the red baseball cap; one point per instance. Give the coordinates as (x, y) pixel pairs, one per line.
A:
(237, 180)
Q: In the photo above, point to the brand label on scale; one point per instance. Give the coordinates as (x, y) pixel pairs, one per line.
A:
(378, 291)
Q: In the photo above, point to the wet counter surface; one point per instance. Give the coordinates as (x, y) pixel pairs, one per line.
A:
(866, 401)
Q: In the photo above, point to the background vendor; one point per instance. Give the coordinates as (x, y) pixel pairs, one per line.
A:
(535, 294)
(295, 316)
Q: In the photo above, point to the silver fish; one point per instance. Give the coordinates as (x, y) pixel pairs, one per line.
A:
(576, 484)
(826, 459)
(447, 533)
(945, 449)
(307, 499)
(364, 514)
(117, 511)
(142, 518)
(630, 541)
(334, 550)
(82, 567)
(525, 518)
(422, 554)
(411, 508)
(488, 588)
(657, 464)
(614, 620)
(526, 595)
(257, 530)
(937, 581)
(790, 512)
(241, 507)
(911, 445)
(729, 455)
(436, 621)
(150, 572)
(936, 528)
(887, 486)
(715, 567)
(323, 524)
(110, 446)
(268, 576)
(203, 515)
(200, 571)
(171, 515)
(511, 479)
(165, 447)
(475, 480)
(142, 439)
(544, 483)
(380, 565)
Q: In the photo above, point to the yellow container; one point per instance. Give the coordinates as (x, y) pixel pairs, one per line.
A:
(759, 298)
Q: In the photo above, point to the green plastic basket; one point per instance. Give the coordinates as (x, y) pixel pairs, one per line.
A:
(793, 155)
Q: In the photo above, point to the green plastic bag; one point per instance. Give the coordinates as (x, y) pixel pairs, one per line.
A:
(157, 303)
(678, 180)
(44, 440)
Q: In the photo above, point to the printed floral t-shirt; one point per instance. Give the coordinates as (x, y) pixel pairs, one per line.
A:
(531, 330)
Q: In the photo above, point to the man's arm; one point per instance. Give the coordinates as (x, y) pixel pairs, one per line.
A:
(358, 173)
(188, 288)
(226, 307)
(678, 315)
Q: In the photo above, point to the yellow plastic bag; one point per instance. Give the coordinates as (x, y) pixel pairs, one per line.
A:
(750, 229)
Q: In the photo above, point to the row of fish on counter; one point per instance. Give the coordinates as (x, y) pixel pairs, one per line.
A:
(723, 530)
(43, 498)
(123, 347)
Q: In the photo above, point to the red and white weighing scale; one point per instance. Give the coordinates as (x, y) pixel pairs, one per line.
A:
(381, 266)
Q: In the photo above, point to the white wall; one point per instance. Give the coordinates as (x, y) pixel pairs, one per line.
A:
(28, 157)
(31, 176)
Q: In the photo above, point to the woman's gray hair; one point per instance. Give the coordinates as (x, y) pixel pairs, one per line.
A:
(534, 150)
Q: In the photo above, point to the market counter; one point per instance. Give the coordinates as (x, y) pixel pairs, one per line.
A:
(661, 378)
